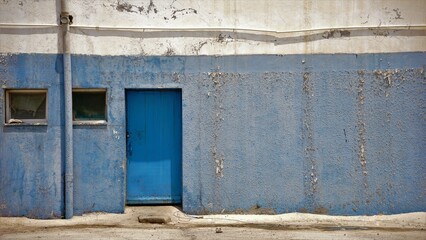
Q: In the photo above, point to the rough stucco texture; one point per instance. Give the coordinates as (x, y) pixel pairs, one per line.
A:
(31, 159)
(337, 134)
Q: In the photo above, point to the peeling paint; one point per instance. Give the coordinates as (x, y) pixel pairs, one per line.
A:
(380, 32)
(131, 8)
(224, 38)
(4, 57)
(182, 12)
(116, 134)
(336, 34)
(127, 7)
(361, 128)
(397, 13)
(176, 77)
(274, 128)
(239, 14)
(387, 79)
(169, 52)
(218, 157)
(311, 177)
(152, 7)
(365, 19)
(386, 75)
(197, 47)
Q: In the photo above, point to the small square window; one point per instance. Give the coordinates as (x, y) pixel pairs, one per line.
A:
(89, 105)
(26, 106)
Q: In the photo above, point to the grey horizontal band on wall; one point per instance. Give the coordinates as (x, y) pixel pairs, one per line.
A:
(203, 29)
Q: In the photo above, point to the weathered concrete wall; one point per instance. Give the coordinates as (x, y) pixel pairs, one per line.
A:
(274, 121)
(215, 21)
(341, 134)
(31, 158)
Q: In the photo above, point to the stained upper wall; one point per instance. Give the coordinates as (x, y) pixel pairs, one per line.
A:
(262, 27)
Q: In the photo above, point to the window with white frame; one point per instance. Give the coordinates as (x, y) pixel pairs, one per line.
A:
(26, 106)
(89, 106)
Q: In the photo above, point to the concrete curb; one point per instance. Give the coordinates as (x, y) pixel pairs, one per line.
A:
(172, 217)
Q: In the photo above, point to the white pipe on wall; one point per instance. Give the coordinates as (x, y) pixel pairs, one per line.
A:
(69, 160)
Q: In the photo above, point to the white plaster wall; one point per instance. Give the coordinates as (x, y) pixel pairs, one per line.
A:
(29, 39)
(273, 15)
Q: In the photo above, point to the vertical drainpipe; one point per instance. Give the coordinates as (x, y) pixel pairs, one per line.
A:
(66, 20)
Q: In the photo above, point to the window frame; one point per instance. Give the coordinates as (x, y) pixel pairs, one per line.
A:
(91, 122)
(7, 115)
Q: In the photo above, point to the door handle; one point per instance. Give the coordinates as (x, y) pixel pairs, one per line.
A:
(129, 149)
(129, 144)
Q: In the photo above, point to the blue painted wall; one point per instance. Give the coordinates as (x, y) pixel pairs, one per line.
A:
(342, 134)
(31, 158)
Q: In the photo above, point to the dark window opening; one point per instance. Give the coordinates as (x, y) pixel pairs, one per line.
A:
(26, 106)
(89, 105)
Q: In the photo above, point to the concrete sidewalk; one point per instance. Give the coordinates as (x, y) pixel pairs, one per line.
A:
(410, 225)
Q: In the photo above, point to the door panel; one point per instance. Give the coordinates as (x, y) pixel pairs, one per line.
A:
(154, 146)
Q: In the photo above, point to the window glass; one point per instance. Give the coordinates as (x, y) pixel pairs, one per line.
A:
(26, 106)
(89, 105)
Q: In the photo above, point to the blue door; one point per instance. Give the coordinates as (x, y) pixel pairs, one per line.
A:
(154, 146)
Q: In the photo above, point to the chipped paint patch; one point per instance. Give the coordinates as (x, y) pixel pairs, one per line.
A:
(387, 79)
(116, 134)
(336, 34)
(361, 129)
(122, 6)
(218, 81)
(3, 206)
(311, 178)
